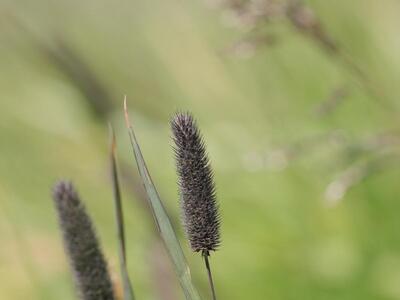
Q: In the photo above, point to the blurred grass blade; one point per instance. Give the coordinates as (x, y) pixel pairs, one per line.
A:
(162, 219)
(128, 291)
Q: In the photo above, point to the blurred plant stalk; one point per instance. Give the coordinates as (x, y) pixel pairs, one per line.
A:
(252, 15)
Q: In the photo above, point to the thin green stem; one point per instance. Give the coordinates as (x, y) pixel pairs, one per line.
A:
(210, 279)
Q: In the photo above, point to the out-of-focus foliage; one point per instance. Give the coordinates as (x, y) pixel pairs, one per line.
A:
(305, 158)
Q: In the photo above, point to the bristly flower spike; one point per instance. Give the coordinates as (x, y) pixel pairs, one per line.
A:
(81, 245)
(197, 189)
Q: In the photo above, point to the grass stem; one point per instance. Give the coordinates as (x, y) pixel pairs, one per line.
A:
(210, 279)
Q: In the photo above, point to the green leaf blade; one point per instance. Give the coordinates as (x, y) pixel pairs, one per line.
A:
(126, 283)
(162, 220)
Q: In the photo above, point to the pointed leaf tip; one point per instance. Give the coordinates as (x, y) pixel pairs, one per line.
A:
(127, 122)
(113, 143)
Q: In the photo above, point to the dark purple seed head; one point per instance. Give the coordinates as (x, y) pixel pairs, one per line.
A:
(197, 190)
(81, 245)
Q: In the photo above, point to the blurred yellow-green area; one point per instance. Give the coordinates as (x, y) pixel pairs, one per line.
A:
(304, 141)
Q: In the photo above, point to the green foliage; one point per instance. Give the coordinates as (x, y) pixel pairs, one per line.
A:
(119, 219)
(283, 240)
(162, 220)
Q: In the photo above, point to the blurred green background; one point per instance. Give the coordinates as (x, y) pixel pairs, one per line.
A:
(305, 146)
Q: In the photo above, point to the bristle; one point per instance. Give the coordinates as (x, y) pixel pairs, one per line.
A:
(86, 259)
(197, 190)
